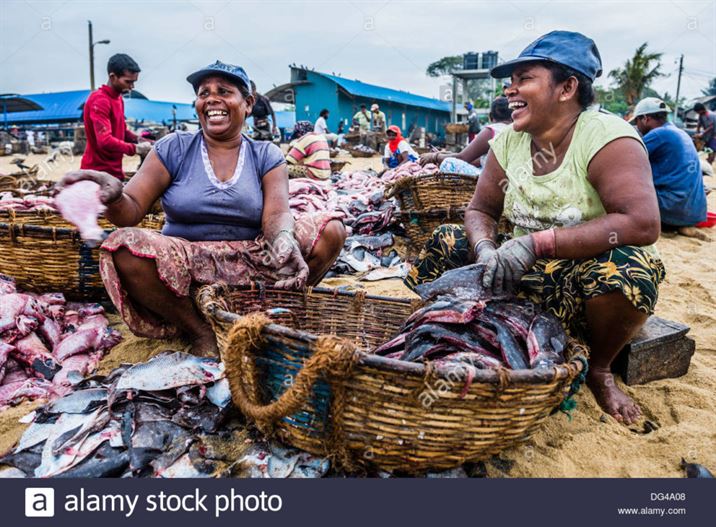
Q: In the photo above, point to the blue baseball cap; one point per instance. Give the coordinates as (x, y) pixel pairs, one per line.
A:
(567, 48)
(235, 74)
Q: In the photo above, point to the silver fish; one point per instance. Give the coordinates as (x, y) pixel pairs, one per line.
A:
(170, 370)
(219, 393)
(275, 461)
(79, 402)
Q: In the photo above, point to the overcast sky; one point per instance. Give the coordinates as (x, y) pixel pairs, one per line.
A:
(43, 44)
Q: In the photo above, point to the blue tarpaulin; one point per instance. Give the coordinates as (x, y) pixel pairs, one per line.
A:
(67, 106)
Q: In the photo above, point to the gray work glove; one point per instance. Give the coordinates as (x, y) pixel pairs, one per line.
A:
(508, 264)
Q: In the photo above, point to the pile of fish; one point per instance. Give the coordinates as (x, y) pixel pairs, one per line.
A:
(372, 256)
(168, 417)
(141, 420)
(47, 343)
(363, 148)
(462, 322)
(26, 202)
(409, 169)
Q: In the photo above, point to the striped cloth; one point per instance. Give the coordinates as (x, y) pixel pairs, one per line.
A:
(312, 151)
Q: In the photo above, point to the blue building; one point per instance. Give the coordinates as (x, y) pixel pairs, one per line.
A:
(311, 91)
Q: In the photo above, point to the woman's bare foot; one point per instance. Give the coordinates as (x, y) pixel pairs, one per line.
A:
(203, 343)
(610, 398)
(693, 232)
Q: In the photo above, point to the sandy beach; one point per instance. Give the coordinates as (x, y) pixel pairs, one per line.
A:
(588, 444)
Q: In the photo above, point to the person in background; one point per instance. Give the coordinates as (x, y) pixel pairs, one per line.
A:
(473, 121)
(378, 119)
(31, 139)
(309, 153)
(398, 150)
(707, 122)
(675, 168)
(108, 138)
(321, 127)
(260, 112)
(474, 155)
(362, 117)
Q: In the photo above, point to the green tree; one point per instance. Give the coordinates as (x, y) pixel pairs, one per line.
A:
(637, 74)
(444, 66)
(711, 90)
(611, 100)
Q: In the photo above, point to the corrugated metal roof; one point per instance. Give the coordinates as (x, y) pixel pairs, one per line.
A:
(58, 106)
(67, 106)
(157, 111)
(371, 91)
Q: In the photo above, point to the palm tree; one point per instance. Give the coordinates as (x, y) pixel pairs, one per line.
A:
(638, 73)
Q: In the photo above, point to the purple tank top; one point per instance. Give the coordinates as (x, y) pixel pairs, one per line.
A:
(199, 207)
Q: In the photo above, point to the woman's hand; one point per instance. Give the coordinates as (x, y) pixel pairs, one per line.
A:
(430, 157)
(288, 261)
(111, 188)
(506, 266)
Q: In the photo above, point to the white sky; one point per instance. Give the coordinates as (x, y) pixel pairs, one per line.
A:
(43, 44)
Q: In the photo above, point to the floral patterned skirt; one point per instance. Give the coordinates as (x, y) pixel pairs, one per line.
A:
(182, 265)
(560, 286)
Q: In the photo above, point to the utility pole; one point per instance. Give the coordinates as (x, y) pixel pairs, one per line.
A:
(92, 44)
(678, 87)
(91, 55)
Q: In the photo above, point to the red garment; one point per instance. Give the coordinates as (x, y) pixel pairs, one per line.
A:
(395, 142)
(108, 138)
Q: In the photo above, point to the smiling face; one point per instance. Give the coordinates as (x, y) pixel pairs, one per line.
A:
(221, 107)
(535, 99)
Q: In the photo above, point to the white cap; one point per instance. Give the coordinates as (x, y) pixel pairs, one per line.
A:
(374, 107)
(649, 105)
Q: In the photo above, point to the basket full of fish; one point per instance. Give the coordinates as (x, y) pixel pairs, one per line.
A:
(45, 251)
(420, 188)
(384, 383)
(362, 151)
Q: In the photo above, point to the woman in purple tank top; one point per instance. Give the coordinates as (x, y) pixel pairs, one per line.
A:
(225, 198)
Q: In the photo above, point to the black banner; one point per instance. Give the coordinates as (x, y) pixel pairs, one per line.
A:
(359, 502)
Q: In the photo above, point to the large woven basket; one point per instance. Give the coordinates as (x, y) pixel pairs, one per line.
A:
(44, 253)
(434, 191)
(456, 128)
(310, 381)
(420, 224)
(360, 153)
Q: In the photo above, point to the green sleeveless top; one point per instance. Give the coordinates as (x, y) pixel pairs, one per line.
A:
(564, 197)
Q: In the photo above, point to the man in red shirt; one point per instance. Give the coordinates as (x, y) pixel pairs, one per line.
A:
(108, 138)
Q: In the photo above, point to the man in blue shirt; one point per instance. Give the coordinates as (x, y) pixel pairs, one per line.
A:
(675, 168)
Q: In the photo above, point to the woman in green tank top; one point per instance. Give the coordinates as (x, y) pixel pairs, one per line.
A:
(576, 185)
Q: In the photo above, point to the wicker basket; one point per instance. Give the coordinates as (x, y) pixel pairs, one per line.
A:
(361, 409)
(337, 166)
(360, 153)
(456, 128)
(45, 253)
(439, 190)
(420, 224)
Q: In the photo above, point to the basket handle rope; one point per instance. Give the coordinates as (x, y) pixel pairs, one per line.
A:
(333, 357)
